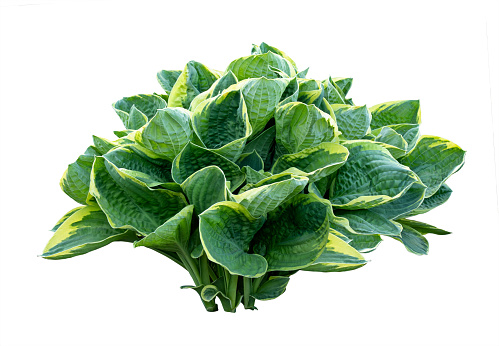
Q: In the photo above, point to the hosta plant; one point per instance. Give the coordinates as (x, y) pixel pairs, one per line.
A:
(245, 176)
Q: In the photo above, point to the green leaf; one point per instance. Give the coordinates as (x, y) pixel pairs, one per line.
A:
(76, 179)
(295, 234)
(362, 242)
(65, 217)
(146, 104)
(252, 176)
(173, 235)
(337, 257)
(205, 188)
(128, 202)
(369, 222)
(370, 177)
(261, 200)
(226, 230)
(252, 160)
(291, 92)
(421, 227)
(413, 240)
(311, 92)
(434, 160)
(264, 48)
(103, 145)
(130, 161)
(167, 133)
(193, 158)
(409, 132)
(403, 205)
(395, 112)
(435, 200)
(263, 145)
(353, 122)
(216, 88)
(343, 83)
(262, 96)
(85, 230)
(315, 163)
(256, 66)
(272, 288)
(136, 119)
(222, 124)
(167, 79)
(333, 93)
(194, 79)
(299, 127)
(392, 141)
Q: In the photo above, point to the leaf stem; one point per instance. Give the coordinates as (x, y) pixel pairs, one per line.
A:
(247, 292)
(232, 291)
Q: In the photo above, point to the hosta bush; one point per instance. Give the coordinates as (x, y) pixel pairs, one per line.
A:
(245, 176)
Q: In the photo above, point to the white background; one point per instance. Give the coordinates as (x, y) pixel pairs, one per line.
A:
(64, 63)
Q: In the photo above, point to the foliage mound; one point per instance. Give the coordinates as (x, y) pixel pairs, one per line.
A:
(246, 176)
